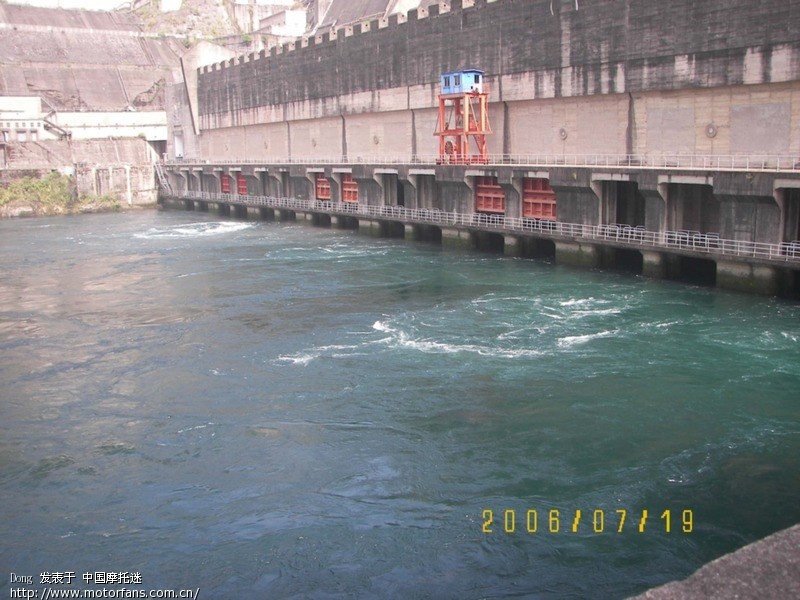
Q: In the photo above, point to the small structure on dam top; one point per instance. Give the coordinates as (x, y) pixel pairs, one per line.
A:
(463, 115)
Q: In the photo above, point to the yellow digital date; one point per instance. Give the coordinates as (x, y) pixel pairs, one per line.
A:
(599, 520)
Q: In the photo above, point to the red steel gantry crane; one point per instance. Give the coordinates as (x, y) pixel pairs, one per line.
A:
(463, 114)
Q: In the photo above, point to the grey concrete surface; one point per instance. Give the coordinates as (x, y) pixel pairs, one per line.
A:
(83, 60)
(764, 570)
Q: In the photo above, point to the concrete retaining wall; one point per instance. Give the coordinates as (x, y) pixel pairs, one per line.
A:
(604, 47)
(119, 168)
(612, 77)
(83, 60)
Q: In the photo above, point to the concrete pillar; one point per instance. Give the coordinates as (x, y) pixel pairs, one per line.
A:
(742, 277)
(369, 227)
(457, 239)
(386, 194)
(653, 264)
(604, 210)
(233, 179)
(345, 222)
(183, 181)
(253, 213)
(578, 200)
(197, 174)
(685, 196)
(173, 178)
(311, 177)
(321, 220)
(335, 179)
(128, 190)
(423, 182)
(284, 214)
(412, 233)
(512, 245)
(261, 174)
(217, 175)
(655, 199)
(577, 254)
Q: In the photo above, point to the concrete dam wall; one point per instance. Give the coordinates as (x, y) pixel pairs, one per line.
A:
(676, 121)
(612, 77)
(83, 60)
(83, 92)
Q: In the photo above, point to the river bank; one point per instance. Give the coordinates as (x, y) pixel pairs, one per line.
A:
(52, 195)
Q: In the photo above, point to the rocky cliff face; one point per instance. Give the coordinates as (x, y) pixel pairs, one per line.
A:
(196, 19)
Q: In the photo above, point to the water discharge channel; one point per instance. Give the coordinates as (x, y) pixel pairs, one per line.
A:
(285, 411)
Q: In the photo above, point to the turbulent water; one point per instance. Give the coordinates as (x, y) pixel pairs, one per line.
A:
(278, 411)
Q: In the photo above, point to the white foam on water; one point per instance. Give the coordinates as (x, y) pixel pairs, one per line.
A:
(304, 357)
(203, 426)
(576, 301)
(598, 312)
(576, 340)
(381, 326)
(341, 251)
(301, 359)
(193, 230)
(400, 339)
(491, 298)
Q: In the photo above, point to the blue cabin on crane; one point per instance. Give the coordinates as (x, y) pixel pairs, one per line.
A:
(462, 82)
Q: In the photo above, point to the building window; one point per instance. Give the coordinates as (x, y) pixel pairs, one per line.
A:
(457, 80)
(34, 136)
(477, 78)
(22, 136)
(446, 82)
(5, 136)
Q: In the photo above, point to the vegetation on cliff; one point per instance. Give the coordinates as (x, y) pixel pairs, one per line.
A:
(196, 19)
(53, 194)
(199, 19)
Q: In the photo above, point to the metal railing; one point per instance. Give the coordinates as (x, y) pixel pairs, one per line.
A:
(685, 162)
(614, 234)
(163, 180)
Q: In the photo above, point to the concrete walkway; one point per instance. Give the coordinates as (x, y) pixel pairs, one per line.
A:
(767, 569)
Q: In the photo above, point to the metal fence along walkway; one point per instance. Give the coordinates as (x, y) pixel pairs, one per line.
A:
(683, 162)
(613, 234)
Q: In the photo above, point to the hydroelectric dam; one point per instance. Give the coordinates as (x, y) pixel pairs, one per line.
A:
(661, 138)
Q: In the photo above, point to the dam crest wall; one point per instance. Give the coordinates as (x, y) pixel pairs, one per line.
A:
(676, 121)
(613, 77)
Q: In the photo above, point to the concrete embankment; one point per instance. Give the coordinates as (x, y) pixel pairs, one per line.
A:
(97, 175)
(40, 193)
(769, 568)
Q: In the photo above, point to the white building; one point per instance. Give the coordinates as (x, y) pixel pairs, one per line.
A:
(21, 119)
(287, 23)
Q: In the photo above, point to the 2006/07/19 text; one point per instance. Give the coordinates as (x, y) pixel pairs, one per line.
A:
(578, 521)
